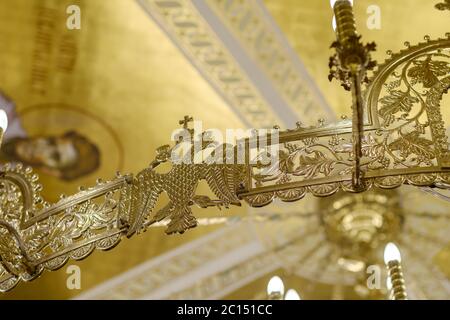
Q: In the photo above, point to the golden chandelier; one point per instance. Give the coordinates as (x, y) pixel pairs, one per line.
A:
(396, 136)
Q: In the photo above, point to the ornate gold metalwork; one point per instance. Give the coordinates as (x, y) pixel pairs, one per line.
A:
(35, 236)
(403, 141)
(350, 65)
(180, 184)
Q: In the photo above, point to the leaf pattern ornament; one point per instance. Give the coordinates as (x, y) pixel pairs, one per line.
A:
(428, 72)
(413, 144)
(395, 102)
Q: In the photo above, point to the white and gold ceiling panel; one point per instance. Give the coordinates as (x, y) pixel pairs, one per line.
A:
(237, 47)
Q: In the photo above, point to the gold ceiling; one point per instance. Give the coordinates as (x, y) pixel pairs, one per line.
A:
(121, 82)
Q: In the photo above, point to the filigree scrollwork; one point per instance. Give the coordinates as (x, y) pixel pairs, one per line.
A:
(404, 139)
(37, 236)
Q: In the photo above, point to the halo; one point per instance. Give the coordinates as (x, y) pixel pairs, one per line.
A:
(57, 119)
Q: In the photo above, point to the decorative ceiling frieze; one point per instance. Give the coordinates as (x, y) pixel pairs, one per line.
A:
(258, 34)
(221, 284)
(207, 268)
(224, 49)
(182, 268)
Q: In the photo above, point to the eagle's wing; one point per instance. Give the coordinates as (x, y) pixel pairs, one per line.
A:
(223, 181)
(181, 220)
(145, 190)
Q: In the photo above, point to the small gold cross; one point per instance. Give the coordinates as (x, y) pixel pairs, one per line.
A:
(185, 121)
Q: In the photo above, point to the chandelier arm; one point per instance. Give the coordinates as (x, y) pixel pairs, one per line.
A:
(358, 125)
(35, 235)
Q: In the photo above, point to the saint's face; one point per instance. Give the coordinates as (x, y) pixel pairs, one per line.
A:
(51, 152)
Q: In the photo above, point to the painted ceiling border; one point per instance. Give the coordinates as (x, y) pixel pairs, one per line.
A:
(187, 29)
(235, 63)
(259, 35)
(181, 268)
(221, 284)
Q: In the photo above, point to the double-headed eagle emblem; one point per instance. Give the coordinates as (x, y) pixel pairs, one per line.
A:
(180, 185)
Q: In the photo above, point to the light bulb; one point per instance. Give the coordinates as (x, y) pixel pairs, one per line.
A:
(3, 120)
(333, 2)
(275, 286)
(291, 294)
(391, 253)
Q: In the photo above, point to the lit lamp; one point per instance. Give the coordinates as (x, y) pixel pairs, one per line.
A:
(392, 259)
(275, 288)
(3, 124)
(291, 294)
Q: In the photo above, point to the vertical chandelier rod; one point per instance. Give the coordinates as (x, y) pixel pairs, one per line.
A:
(346, 35)
(353, 61)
